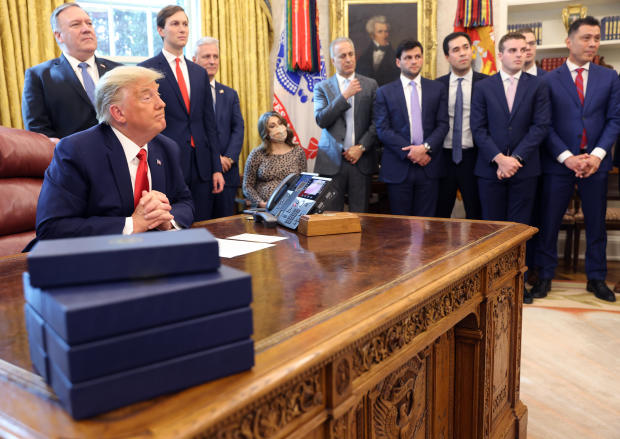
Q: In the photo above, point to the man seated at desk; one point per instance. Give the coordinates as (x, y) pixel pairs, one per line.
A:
(120, 176)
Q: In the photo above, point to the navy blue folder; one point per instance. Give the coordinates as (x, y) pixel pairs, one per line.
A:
(128, 351)
(80, 314)
(100, 395)
(105, 258)
(35, 327)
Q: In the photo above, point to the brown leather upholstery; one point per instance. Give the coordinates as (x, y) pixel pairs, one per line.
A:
(24, 156)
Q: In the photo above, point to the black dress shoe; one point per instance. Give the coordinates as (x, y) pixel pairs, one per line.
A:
(527, 297)
(601, 290)
(540, 290)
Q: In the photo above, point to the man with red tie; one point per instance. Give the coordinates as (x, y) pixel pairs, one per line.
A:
(190, 117)
(585, 100)
(120, 176)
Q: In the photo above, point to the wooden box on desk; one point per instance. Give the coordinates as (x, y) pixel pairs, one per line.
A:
(329, 223)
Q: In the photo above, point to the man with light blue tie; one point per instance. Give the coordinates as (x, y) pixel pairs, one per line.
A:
(58, 94)
(411, 116)
(343, 106)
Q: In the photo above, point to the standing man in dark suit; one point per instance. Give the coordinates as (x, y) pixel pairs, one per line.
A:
(411, 116)
(58, 94)
(229, 125)
(585, 100)
(343, 106)
(510, 118)
(190, 120)
(459, 151)
(377, 61)
(529, 62)
(121, 176)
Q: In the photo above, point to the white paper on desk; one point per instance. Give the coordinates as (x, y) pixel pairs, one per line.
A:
(230, 248)
(255, 237)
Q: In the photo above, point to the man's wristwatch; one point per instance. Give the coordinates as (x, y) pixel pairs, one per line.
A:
(362, 147)
(427, 147)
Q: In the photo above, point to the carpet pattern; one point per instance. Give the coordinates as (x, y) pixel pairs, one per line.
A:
(570, 365)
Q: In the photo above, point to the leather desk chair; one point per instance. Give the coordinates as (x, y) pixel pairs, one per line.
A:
(24, 156)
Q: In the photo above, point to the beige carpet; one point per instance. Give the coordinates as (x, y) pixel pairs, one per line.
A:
(570, 365)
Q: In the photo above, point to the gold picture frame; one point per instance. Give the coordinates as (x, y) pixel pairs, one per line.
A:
(426, 25)
(572, 13)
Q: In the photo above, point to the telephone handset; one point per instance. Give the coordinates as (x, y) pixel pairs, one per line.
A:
(297, 195)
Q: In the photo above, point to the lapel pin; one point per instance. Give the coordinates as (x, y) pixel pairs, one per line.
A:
(221, 91)
(158, 162)
(102, 66)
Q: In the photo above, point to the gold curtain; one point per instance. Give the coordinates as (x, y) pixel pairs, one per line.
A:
(245, 31)
(26, 39)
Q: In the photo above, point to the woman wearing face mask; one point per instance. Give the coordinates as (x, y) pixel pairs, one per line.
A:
(274, 159)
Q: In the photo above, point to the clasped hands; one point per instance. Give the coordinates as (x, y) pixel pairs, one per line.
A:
(507, 166)
(417, 154)
(152, 212)
(583, 165)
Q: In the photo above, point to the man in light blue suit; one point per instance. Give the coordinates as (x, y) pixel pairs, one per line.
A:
(190, 120)
(229, 125)
(411, 116)
(585, 101)
(343, 107)
(120, 176)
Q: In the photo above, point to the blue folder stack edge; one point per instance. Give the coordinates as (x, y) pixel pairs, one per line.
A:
(114, 334)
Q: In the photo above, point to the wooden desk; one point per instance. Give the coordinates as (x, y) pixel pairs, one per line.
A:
(410, 329)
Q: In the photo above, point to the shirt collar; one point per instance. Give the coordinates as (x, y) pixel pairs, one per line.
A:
(572, 66)
(74, 61)
(171, 57)
(532, 70)
(467, 77)
(341, 79)
(405, 81)
(505, 75)
(129, 147)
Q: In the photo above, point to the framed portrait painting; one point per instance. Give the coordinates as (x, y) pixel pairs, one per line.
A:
(377, 27)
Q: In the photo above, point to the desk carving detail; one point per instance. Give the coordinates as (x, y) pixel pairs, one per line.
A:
(506, 263)
(273, 413)
(377, 348)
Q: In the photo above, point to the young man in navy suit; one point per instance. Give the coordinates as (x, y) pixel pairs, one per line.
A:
(121, 176)
(229, 125)
(529, 61)
(411, 118)
(58, 94)
(459, 151)
(510, 118)
(585, 101)
(189, 111)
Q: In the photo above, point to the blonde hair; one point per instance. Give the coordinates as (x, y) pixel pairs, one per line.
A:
(109, 87)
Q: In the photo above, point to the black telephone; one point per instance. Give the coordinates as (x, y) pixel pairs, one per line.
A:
(299, 194)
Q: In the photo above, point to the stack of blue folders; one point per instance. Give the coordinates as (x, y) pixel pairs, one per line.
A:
(113, 320)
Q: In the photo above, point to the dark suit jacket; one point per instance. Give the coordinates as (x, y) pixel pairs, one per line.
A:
(87, 188)
(54, 101)
(600, 114)
(199, 123)
(329, 111)
(617, 152)
(445, 80)
(392, 122)
(386, 71)
(517, 133)
(230, 128)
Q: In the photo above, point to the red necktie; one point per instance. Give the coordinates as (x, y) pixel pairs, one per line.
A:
(579, 84)
(142, 179)
(183, 89)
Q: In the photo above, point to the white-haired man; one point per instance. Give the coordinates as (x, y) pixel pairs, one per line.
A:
(229, 125)
(58, 94)
(120, 176)
(379, 60)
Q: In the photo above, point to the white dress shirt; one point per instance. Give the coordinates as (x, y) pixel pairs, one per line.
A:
(341, 85)
(466, 87)
(173, 65)
(598, 151)
(92, 68)
(377, 55)
(506, 79)
(532, 70)
(407, 90)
